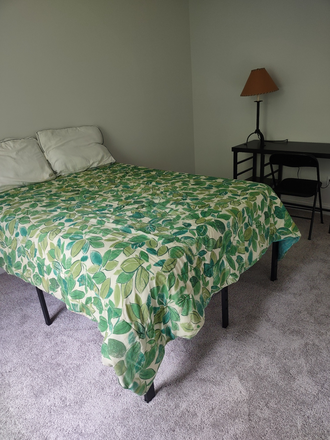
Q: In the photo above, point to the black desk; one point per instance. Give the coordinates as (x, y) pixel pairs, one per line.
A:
(319, 150)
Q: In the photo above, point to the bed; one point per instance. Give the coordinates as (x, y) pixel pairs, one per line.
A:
(140, 251)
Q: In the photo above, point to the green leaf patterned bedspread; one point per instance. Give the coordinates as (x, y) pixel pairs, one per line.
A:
(139, 251)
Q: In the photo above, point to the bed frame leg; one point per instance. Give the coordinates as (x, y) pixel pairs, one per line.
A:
(150, 394)
(43, 304)
(224, 306)
(273, 275)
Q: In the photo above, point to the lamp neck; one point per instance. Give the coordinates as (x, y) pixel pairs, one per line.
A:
(258, 132)
(258, 112)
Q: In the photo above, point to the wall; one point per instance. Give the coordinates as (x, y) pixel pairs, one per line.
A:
(229, 38)
(123, 65)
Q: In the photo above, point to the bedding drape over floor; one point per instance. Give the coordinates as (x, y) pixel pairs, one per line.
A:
(140, 251)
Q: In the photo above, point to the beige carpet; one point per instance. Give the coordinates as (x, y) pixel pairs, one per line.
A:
(267, 376)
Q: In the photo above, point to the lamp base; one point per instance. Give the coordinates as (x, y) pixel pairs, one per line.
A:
(260, 136)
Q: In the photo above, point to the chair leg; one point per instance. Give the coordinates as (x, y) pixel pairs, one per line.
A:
(320, 202)
(312, 219)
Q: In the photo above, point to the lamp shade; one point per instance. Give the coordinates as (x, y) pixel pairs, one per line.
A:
(259, 82)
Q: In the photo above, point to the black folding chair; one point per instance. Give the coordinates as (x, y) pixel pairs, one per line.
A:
(295, 186)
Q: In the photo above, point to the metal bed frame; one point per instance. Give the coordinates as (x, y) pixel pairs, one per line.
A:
(150, 394)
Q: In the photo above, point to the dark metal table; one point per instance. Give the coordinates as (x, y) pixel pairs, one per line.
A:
(257, 156)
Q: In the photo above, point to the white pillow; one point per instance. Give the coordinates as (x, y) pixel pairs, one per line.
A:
(74, 149)
(22, 163)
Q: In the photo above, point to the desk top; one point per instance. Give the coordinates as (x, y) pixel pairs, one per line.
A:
(320, 150)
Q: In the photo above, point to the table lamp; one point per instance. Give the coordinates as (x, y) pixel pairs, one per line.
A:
(258, 83)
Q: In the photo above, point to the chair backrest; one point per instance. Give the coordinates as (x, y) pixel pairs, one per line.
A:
(294, 161)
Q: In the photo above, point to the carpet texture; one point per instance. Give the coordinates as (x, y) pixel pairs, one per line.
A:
(267, 376)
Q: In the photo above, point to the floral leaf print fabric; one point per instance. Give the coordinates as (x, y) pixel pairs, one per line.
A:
(140, 251)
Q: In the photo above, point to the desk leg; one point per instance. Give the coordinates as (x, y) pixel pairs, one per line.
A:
(262, 167)
(235, 165)
(254, 171)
